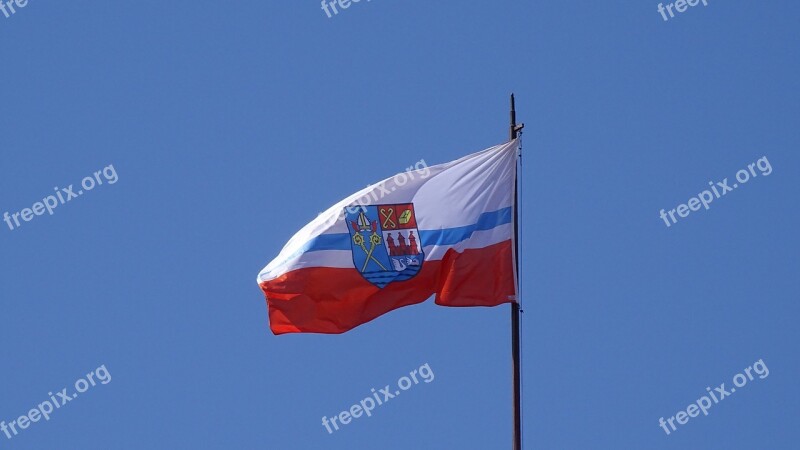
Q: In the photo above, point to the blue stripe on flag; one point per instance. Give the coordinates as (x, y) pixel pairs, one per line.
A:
(338, 241)
(447, 236)
(450, 236)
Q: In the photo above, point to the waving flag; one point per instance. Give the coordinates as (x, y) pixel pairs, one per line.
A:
(447, 234)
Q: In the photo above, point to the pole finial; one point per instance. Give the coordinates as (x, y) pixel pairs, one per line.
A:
(515, 128)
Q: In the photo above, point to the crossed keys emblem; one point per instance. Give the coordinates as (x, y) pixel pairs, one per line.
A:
(374, 239)
(387, 218)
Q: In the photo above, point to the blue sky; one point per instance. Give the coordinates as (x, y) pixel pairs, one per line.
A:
(231, 125)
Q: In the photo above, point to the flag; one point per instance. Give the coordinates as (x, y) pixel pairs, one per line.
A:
(447, 231)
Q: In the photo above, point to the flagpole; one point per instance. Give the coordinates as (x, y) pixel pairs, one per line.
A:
(515, 310)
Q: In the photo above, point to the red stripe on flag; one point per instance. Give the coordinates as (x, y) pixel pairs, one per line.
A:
(335, 300)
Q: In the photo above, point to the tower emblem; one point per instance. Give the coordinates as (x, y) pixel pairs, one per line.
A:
(385, 242)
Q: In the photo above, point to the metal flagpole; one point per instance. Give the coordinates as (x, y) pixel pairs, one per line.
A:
(515, 311)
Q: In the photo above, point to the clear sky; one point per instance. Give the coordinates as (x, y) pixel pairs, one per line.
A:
(229, 125)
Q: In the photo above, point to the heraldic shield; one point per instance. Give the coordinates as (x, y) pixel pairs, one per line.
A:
(385, 242)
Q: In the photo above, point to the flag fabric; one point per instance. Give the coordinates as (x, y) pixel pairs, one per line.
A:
(446, 232)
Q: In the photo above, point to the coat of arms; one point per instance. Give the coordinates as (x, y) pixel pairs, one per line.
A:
(385, 242)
